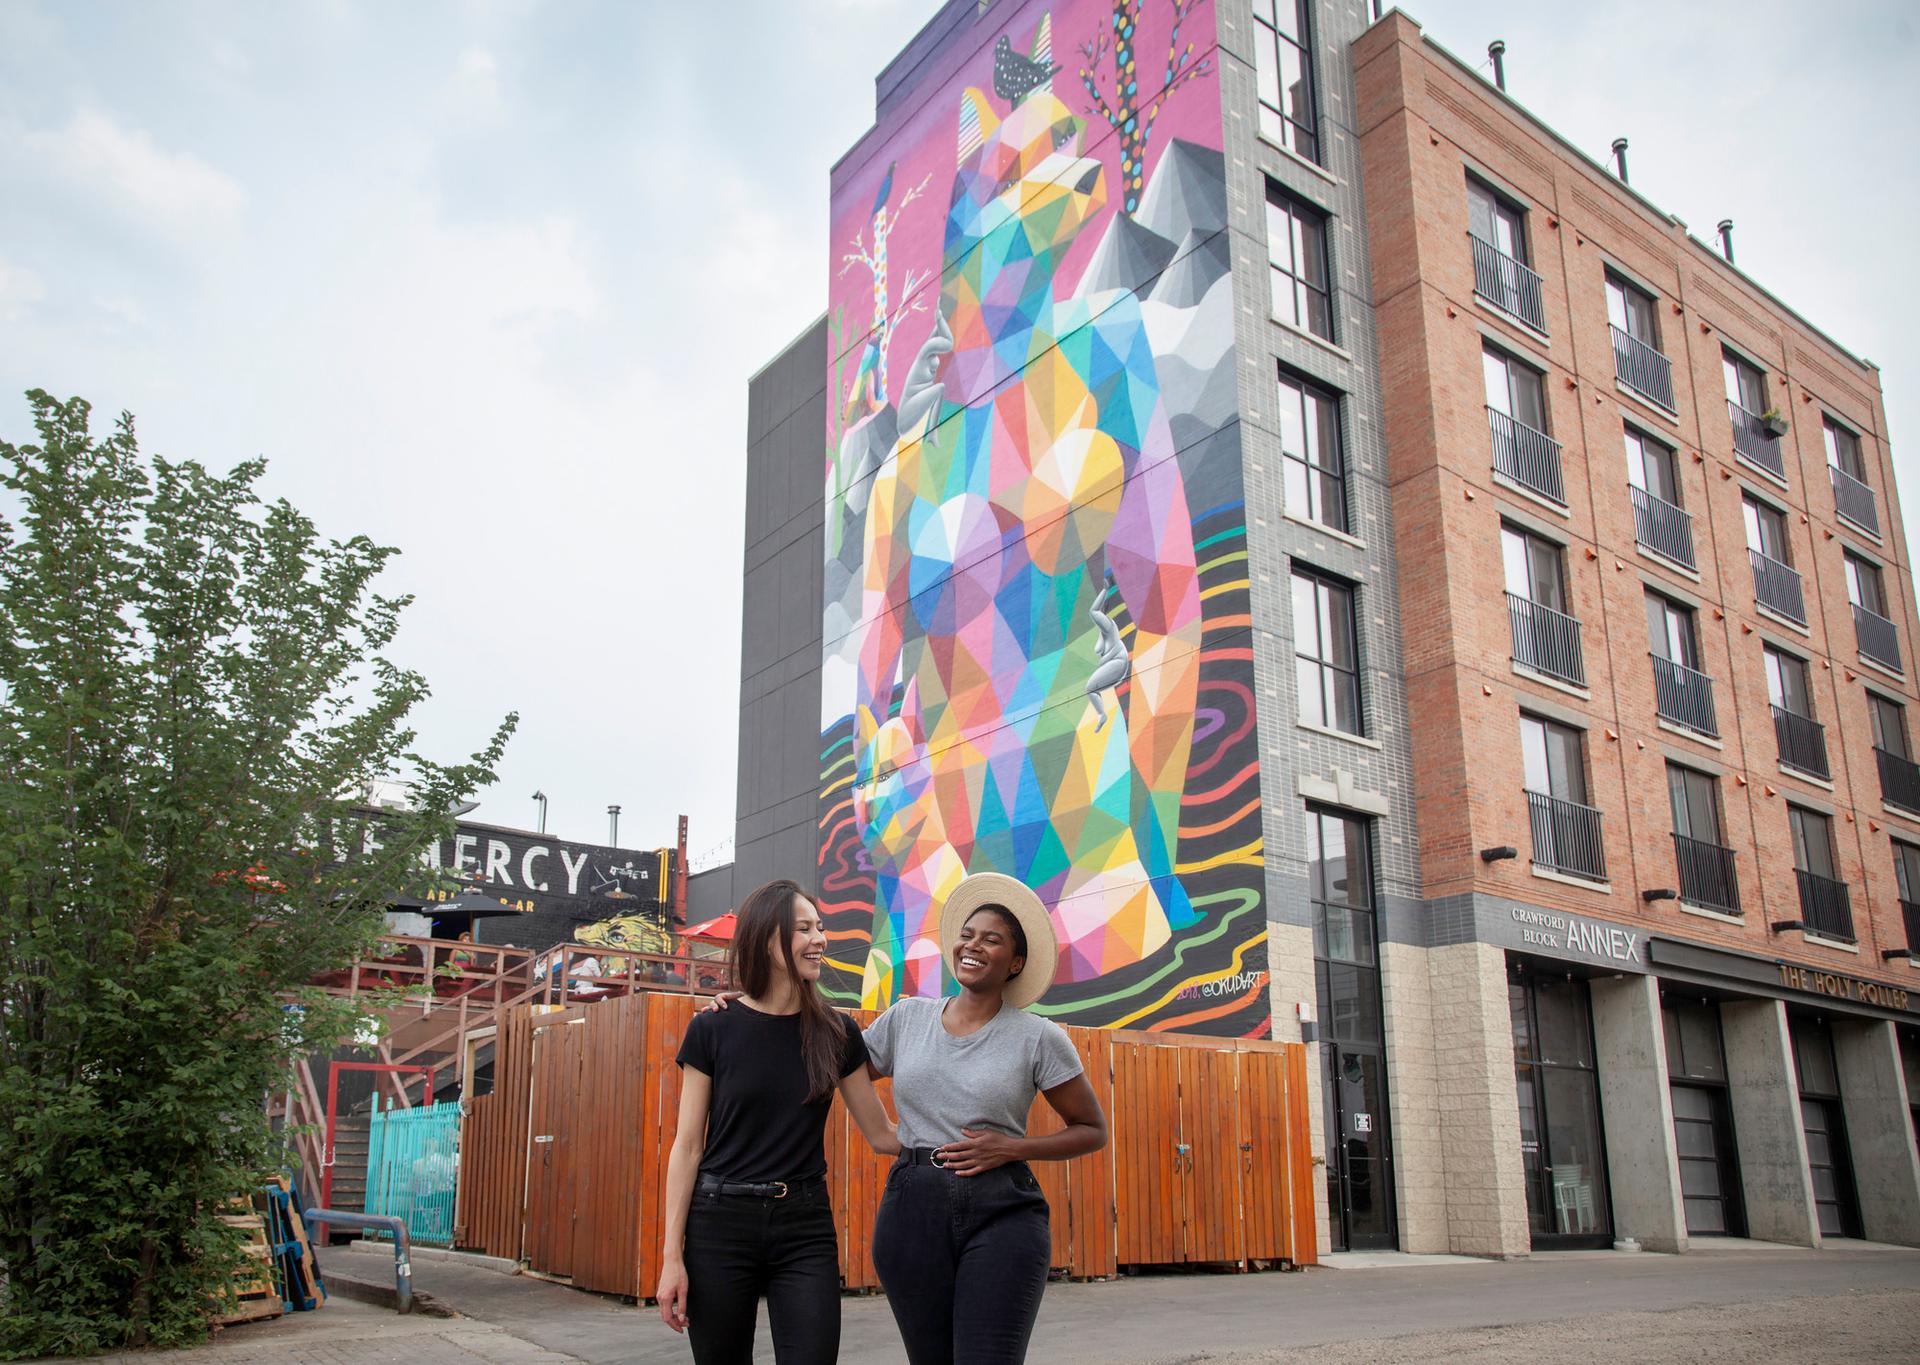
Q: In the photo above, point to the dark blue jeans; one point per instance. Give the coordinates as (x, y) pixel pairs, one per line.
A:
(739, 1249)
(964, 1261)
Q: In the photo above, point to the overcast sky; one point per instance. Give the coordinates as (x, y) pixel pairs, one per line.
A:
(487, 282)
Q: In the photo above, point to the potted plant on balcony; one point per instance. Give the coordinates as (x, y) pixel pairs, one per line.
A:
(1774, 423)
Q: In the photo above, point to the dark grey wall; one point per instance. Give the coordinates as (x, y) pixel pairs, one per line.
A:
(710, 894)
(775, 811)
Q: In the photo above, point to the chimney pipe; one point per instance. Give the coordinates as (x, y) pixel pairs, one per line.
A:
(1726, 239)
(541, 797)
(1497, 49)
(1620, 158)
(613, 826)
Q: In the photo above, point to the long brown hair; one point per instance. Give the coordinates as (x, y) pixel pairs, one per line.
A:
(766, 917)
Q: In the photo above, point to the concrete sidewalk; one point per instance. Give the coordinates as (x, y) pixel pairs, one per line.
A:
(1733, 1302)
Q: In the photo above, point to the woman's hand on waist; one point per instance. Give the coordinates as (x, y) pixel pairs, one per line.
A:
(979, 1152)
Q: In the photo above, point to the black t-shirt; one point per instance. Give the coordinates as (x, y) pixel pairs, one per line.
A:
(760, 1126)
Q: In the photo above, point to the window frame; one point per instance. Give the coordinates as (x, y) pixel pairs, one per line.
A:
(1663, 643)
(1302, 393)
(1732, 363)
(1774, 664)
(1878, 704)
(1323, 667)
(1830, 428)
(1575, 745)
(1286, 130)
(1501, 209)
(1679, 801)
(1638, 443)
(1755, 513)
(1304, 220)
(1797, 816)
(1855, 566)
(1512, 366)
(1628, 291)
(1531, 541)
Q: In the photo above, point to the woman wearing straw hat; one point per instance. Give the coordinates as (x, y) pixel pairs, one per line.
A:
(962, 1240)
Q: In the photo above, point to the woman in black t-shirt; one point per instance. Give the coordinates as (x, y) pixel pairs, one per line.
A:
(746, 1209)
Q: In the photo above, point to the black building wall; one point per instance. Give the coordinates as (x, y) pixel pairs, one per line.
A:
(775, 809)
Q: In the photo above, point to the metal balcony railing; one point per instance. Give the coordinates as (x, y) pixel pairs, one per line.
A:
(1910, 915)
(1825, 907)
(1661, 527)
(1751, 440)
(1899, 780)
(1803, 743)
(1707, 875)
(1777, 587)
(1642, 368)
(1879, 638)
(1684, 697)
(1507, 284)
(1854, 500)
(1566, 836)
(1530, 458)
(1545, 640)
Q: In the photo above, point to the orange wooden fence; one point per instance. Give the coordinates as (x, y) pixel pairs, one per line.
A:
(564, 1163)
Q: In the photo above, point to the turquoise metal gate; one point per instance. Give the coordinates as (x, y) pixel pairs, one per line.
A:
(412, 1165)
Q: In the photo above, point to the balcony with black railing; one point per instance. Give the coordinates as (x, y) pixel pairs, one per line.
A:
(1899, 780)
(1530, 458)
(1661, 527)
(1825, 907)
(1566, 837)
(1546, 641)
(1684, 697)
(1854, 500)
(1879, 638)
(1707, 875)
(1777, 587)
(1507, 284)
(1803, 743)
(1910, 916)
(1754, 443)
(1642, 368)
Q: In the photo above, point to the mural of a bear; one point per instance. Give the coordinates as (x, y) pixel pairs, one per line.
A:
(1037, 650)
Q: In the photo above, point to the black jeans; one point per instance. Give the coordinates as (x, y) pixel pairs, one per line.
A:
(963, 1260)
(739, 1248)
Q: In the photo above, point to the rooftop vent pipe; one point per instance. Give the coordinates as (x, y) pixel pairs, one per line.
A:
(1620, 158)
(1497, 49)
(613, 826)
(1726, 239)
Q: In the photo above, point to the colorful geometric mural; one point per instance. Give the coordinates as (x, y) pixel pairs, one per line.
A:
(1036, 635)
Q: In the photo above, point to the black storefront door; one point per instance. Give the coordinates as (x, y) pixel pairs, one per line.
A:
(1828, 1160)
(1359, 1178)
(1561, 1143)
(1709, 1171)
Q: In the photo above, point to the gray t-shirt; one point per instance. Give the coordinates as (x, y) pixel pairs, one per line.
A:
(984, 1081)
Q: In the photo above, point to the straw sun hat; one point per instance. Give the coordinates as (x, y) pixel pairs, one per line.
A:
(1043, 949)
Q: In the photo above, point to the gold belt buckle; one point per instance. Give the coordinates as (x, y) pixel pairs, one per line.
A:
(783, 1189)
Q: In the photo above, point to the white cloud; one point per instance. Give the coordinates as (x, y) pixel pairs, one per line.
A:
(474, 91)
(174, 192)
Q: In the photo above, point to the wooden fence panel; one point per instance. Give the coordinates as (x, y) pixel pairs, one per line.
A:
(607, 1091)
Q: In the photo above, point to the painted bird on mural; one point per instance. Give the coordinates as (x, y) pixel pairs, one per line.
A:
(1037, 475)
(1014, 76)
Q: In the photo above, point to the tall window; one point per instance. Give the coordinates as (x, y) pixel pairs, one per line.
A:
(1670, 631)
(1285, 75)
(1551, 758)
(1297, 256)
(1812, 842)
(1695, 799)
(1864, 588)
(1533, 567)
(1631, 310)
(1889, 725)
(1766, 530)
(1310, 442)
(1501, 225)
(1787, 682)
(1906, 872)
(1650, 467)
(1326, 660)
(1347, 974)
(1746, 386)
(1843, 449)
(1705, 863)
(1514, 389)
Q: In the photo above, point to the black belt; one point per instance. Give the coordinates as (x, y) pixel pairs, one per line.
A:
(770, 1189)
(922, 1156)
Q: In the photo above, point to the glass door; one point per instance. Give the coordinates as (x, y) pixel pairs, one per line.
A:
(1703, 1121)
(1828, 1159)
(1360, 1200)
(1561, 1143)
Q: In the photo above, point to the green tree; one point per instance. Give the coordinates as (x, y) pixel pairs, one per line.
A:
(192, 694)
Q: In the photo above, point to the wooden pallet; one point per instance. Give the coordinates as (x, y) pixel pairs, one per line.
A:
(256, 1293)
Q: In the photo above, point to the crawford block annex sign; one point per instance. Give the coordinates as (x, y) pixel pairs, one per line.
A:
(1579, 938)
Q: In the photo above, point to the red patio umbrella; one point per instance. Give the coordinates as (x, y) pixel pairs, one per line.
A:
(716, 930)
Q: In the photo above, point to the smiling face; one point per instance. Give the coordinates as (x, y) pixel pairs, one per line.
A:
(988, 951)
(807, 945)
